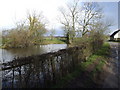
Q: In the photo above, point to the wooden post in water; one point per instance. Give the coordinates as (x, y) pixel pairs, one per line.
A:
(20, 79)
(43, 72)
(48, 73)
(62, 66)
(12, 77)
(58, 70)
(53, 70)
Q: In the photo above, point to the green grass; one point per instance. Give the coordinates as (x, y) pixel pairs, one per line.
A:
(104, 51)
(100, 55)
(100, 65)
(65, 80)
(53, 41)
(90, 60)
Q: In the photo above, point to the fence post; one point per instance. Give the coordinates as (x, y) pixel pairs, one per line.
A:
(20, 77)
(53, 70)
(13, 77)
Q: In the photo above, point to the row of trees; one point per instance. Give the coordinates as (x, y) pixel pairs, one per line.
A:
(78, 20)
(81, 19)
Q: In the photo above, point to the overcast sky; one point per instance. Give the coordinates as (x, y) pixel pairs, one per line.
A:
(12, 11)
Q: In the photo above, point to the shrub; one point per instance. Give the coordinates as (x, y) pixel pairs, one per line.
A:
(91, 43)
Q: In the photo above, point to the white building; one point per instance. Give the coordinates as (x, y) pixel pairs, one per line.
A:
(115, 36)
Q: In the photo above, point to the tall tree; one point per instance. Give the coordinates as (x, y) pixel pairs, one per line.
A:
(68, 19)
(90, 14)
(36, 26)
(73, 8)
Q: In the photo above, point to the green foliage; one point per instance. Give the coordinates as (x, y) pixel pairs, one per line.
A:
(104, 50)
(100, 65)
(91, 43)
(89, 61)
(65, 80)
(100, 55)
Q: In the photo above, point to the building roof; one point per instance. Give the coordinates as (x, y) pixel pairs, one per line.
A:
(112, 35)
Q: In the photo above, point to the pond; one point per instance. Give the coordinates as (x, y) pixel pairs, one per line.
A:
(9, 54)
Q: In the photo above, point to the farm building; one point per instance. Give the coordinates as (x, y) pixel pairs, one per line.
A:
(115, 36)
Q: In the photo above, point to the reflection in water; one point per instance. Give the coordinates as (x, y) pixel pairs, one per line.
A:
(10, 54)
(45, 70)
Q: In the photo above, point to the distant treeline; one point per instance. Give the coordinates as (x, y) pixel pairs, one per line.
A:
(77, 20)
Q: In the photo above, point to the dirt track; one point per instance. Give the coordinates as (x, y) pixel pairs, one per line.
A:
(112, 69)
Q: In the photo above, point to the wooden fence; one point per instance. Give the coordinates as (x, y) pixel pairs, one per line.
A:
(41, 70)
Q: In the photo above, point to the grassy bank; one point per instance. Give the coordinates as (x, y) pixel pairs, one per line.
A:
(44, 42)
(92, 67)
(54, 41)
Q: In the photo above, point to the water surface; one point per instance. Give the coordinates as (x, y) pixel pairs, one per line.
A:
(9, 54)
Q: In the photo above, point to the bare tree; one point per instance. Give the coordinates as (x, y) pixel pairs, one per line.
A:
(68, 19)
(73, 8)
(66, 24)
(90, 14)
(52, 33)
(36, 26)
(102, 27)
